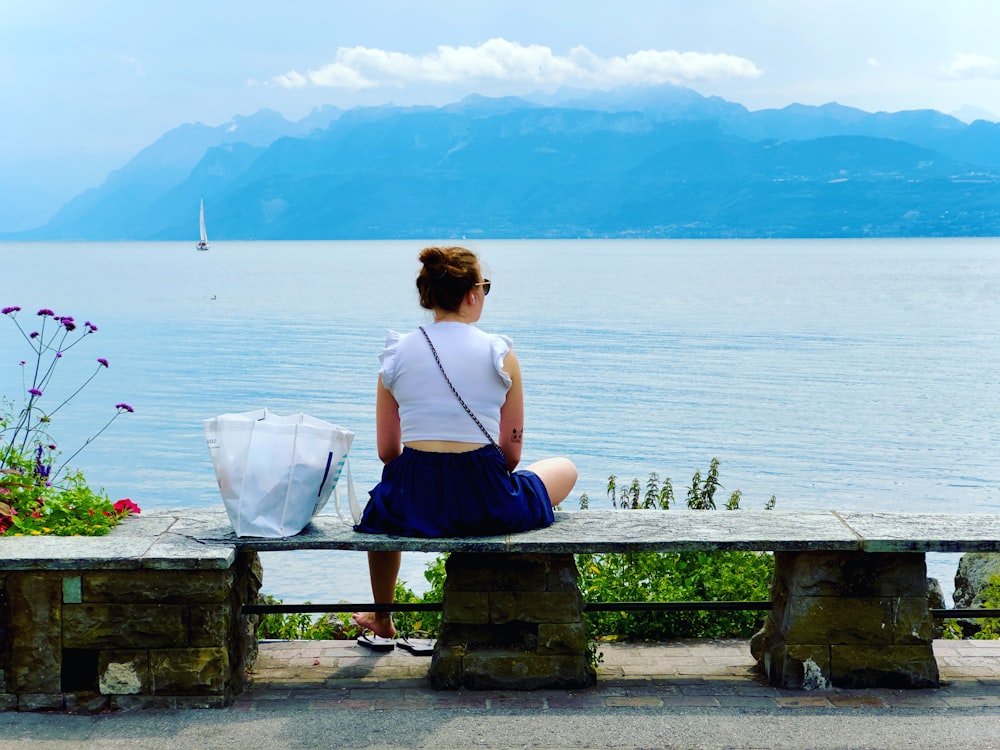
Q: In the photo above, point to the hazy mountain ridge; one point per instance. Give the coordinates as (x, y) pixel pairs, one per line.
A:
(662, 162)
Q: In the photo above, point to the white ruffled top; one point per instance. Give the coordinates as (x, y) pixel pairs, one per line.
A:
(428, 410)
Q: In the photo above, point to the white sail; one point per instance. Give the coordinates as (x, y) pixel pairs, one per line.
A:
(203, 242)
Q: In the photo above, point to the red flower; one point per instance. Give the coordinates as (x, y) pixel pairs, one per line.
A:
(126, 506)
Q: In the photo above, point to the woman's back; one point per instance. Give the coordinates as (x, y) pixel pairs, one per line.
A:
(428, 409)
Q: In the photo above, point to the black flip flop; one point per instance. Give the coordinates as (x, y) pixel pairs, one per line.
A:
(417, 646)
(376, 642)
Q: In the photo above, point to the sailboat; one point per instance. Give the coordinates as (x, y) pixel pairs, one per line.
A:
(203, 242)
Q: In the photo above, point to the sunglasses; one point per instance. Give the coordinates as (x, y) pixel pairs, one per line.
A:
(485, 284)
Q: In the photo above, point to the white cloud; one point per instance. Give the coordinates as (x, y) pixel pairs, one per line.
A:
(357, 68)
(973, 66)
(292, 80)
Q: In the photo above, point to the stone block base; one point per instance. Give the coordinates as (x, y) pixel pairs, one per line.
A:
(88, 641)
(511, 621)
(851, 620)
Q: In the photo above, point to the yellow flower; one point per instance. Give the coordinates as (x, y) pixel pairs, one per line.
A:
(46, 530)
(36, 533)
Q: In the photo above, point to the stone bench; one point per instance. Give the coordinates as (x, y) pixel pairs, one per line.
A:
(152, 614)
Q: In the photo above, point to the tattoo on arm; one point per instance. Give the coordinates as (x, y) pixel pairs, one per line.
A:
(516, 435)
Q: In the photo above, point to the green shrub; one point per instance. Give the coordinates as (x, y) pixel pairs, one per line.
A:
(674, 576)
(302, 626)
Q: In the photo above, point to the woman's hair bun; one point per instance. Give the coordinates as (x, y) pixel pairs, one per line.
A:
(448, 274)
(432, 256)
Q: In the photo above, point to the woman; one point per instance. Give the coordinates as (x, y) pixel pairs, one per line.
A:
(449, 416)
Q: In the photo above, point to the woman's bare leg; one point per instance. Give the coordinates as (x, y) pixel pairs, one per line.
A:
(383, 568)
(558, 475)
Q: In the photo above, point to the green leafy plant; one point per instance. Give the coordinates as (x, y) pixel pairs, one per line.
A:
(660, 494)
(989, 627)
(338, 625)
(674, 576)
(36, 497)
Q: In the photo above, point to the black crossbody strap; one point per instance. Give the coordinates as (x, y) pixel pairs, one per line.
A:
(460, 399)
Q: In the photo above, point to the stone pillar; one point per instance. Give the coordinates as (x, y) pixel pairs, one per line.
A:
(511, 621)
(92, 640)
(848, 619)
(7, 701)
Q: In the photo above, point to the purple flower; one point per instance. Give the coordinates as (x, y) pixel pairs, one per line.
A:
(9, 310)
(68, 324)
(40, 468)
(34, 334)
(45, 311)
(34, 392)
(23, 362)
(102, 361)
(124, 407)
(58, 355)
(90, 326)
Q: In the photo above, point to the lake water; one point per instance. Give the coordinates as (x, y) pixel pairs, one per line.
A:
(838, 374)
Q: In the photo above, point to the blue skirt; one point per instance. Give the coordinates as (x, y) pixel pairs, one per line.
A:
(455, 494)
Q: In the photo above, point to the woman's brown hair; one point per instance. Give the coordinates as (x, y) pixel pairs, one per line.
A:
(447, 275)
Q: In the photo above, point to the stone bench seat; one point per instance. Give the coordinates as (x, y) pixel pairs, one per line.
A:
(595, 531)
(152, 614)
(203, 539)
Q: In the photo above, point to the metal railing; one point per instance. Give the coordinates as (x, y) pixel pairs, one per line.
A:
(263, 609)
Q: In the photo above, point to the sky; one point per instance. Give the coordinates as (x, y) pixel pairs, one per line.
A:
(85, 85)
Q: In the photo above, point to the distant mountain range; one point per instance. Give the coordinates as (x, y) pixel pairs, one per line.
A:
(649, 162)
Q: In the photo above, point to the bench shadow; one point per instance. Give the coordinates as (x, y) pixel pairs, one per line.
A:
(292, 667)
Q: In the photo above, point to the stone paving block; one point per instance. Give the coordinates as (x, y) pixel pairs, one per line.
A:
(86, 703)
(574, 701)
(515, 703)
(343, 704)
(411, 703)
(459, 700)
(636, 701)
(40, 702)
(747, 703)
(973, 701)
(806, 701)
(857, 701)
(918, 699)
(693, 701)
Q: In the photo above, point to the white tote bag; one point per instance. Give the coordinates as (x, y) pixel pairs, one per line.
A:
(275, 473)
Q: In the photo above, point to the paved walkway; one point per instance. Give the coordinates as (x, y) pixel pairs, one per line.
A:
(708, 674)
(675, 696)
